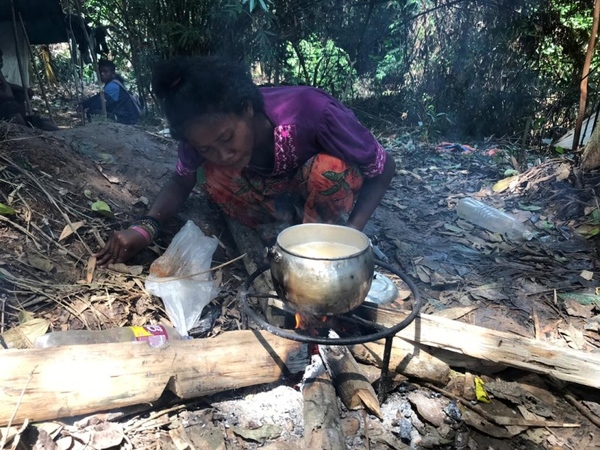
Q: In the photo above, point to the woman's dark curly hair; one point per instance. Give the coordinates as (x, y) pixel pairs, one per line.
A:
(190, 88)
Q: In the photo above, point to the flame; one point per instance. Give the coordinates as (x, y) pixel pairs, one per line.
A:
(305, 322)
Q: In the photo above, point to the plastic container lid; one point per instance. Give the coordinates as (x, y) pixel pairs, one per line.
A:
(383, 290)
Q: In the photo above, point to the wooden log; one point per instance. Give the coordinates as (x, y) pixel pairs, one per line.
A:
(511, 350)
(407, 358)
(352, 386)
(45, 384)
(322, 423)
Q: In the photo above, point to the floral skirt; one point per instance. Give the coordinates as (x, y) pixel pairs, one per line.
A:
(320, 191)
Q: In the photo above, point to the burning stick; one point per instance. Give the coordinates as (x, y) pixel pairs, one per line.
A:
(352, 386)
(322, 425)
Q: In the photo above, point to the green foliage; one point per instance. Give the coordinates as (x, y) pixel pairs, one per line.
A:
(321, 64)
(473, 68)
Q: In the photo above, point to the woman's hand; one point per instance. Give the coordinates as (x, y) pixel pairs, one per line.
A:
(121, 246)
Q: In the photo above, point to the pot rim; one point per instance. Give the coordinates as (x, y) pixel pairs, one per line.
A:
(336, 229)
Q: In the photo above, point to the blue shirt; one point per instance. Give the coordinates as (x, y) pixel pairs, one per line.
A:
(119, 105)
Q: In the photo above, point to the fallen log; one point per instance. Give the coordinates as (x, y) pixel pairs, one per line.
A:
(322, 423)
(511, 350)
(406, 358)
(46, 384)
(352, 386)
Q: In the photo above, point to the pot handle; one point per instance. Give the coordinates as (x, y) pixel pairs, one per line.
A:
(274, 255)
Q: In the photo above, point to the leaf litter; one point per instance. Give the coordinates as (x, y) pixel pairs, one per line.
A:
(464, 272)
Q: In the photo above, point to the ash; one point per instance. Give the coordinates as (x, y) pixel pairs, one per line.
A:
(281, 406)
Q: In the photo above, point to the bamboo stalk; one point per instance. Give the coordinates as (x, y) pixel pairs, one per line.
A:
(35, 69)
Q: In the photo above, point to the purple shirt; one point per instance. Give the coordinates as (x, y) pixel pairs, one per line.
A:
(307, 121)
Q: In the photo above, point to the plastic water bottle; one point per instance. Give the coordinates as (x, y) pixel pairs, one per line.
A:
(492, 219)
(155, 335)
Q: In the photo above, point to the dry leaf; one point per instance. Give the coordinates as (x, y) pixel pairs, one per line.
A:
(110, 178)
(24, 335)
(505, 183)
(576, 309)
(573, 336)
(136, 270)
(89, 271)
(69, 229)
(586, 275)
(40, 263)
(44, 441)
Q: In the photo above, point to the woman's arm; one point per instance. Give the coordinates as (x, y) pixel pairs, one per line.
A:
(171, 197)
(371, 193)
(123, 245)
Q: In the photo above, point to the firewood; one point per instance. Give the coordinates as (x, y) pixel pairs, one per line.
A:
(565, 364)
(406, 358)
(409, 359)
(322, 424)
(352, 386)
(83, 379)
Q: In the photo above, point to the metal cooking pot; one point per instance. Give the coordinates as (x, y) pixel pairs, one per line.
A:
(320, 285)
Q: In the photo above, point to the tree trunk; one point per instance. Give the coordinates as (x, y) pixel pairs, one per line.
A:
(585, 74)
(591, 153)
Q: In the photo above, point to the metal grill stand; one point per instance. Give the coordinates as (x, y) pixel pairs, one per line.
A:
(381, 332)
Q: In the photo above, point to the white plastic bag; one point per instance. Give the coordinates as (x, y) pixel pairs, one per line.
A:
(181, 279)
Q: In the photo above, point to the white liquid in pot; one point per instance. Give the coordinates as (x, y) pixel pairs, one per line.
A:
(323, 250)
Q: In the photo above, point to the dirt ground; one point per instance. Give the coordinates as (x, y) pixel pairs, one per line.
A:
(545, 288)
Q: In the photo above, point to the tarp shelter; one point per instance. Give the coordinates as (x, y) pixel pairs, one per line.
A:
(44, 23)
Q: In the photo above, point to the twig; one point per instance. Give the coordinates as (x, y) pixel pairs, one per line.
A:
(183, 277)
(22, 139)
(14, 414)
(159, 136)
(22, 230)
(52, 199)
(153, 415)
(62, 247)
(3, 300)
(582, 409)
(502, 421)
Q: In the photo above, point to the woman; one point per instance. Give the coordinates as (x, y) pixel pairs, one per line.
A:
(281, 154)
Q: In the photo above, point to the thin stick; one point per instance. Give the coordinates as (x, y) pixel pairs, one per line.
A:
(3, 300)
(502, 421)
(3, 441)
(183, 277)
(52, 200)
(153, 415)
(62, 247)
(23, 139)
(22, 230)
(35, 69)
(581, 408)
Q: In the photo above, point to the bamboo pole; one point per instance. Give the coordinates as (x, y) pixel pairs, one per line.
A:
(92, 48)
(19, 60)
(35, 69)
